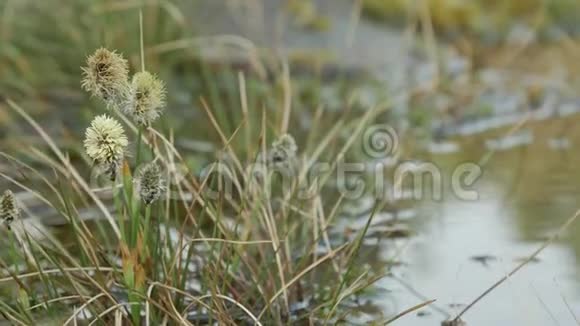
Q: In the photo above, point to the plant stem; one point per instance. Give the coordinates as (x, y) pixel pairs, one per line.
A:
(119, 209)
(138, 157)
(141, 40)
(135, 308)
(135, 217)
(146, 226)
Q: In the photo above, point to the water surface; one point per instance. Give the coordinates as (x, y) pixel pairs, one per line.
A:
(461, 248)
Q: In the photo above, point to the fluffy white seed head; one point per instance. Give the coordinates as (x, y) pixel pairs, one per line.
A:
(105, 143)
(147, 98)
(106, 77)
(283, 150)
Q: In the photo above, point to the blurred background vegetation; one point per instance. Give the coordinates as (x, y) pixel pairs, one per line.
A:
(482, 16)
(341, 54)
(42, 43)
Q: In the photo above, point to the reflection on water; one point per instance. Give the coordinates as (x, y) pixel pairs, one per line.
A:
(462, 248)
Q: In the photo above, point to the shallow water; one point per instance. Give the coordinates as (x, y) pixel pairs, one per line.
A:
(461, 248)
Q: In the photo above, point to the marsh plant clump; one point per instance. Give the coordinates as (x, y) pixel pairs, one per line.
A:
(9, 210)
(105, 77)
(106, 143)
(147, 98)
(150, 183)
(251, 255)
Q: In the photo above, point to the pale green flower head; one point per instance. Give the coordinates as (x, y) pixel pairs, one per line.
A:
(106, 77)
(147, 98)
(105, 140)
(9, 210)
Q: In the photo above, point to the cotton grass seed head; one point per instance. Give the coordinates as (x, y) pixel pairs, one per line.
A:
(105, 143)
(150, 183)
(283, 150)
(106, 77)
(9, 210)
(147, 98)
